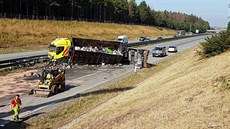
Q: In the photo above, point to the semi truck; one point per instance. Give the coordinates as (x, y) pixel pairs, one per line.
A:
(84, 51)
(123, 39)
(87, 51)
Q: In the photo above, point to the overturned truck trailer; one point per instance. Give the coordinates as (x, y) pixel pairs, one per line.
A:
(87, 51)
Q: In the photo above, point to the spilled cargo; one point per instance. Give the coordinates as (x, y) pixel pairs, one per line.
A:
(89, 51)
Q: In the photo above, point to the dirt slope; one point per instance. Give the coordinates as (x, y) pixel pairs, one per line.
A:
(187, 94)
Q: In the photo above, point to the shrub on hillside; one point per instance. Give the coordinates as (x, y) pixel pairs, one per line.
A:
(215, 45)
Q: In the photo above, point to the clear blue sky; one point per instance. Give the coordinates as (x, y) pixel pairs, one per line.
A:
(216, 12)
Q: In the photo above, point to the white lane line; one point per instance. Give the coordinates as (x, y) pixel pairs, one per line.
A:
(90, 74)
(104, 82)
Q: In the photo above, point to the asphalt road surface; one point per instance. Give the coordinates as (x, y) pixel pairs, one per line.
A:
(36, 53)
(84, 78)
(181, 45)
(22, 55)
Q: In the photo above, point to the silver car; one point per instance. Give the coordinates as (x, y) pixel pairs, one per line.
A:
(159, 51)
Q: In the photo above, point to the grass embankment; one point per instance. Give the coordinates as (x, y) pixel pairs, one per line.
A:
(181, 92)
(27, 35)
(190, 93)
(70, 110)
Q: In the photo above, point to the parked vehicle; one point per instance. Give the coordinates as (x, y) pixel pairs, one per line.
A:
(142, 38)
(159, 51)
(172, 49)
(159, 38)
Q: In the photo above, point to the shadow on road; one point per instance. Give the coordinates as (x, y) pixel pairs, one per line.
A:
(2, 106)
(3, 126)
(104, 91)
(15, 125)
(151, 65)
(68, 87)
(19, 125)
(5, 114)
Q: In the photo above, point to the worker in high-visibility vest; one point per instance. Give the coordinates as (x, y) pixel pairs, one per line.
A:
(15, 105)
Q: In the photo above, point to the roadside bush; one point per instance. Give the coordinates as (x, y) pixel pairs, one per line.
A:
(215, 45)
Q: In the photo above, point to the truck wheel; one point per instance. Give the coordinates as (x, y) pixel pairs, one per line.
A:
(54, 89)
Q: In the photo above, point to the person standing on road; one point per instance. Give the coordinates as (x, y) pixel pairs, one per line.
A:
(15, 105)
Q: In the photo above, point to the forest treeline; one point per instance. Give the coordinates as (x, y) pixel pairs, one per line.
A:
(117, 11)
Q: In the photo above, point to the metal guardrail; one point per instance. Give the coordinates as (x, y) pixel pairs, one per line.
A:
(20, 62)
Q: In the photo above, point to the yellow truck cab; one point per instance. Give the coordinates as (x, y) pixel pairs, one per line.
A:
(59, 49)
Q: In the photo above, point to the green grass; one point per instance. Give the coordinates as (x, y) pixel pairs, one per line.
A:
(215, 45)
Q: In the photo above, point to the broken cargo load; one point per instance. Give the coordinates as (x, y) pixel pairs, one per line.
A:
(86, 51)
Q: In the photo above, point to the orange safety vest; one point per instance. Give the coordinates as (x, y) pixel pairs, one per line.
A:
(16, 103)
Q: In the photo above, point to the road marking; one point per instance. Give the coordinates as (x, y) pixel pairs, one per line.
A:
(103, 82)
(90, 74)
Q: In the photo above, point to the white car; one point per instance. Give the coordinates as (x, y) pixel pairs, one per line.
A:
(172, 49)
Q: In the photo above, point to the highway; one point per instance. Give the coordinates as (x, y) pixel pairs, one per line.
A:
(22, 55)
(84, 78)
(182, 45)
(12, 56)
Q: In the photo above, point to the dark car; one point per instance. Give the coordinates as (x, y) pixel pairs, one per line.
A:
(159, 51)
(142, 38)
(159, 38)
